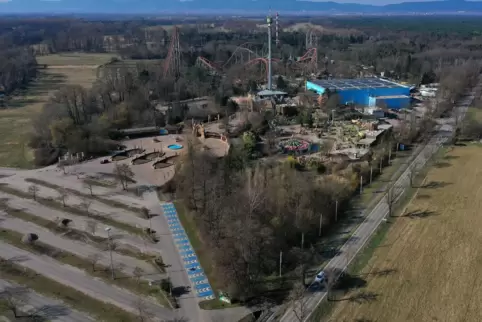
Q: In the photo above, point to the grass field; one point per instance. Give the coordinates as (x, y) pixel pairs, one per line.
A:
(428, 266)
(62, 69)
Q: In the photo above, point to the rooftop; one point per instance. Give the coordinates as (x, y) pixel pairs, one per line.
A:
(355, 83)
(392, 96)
(271, 93)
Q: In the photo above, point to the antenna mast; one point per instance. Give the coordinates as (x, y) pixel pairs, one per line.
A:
(269, 20)
(277, 29)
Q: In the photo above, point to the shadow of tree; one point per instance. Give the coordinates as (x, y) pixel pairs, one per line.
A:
(420, 214)
(381, 272)
(442, 164)
(363, 297)
(51, 311)
(451, 157)
(422, 197)
(435, 184)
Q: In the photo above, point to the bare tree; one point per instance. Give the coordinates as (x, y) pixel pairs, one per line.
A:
(85, 205)
(138, 272)
(143, 312)
(390, 198)
(145, 213)
(89, 186)
(124, 174)
(412, 175)
(30, 238)
(94, 259)
(91, 226)
(33, 190)
(12, 298)
(298, 301)
(63, 196)
(62, 167)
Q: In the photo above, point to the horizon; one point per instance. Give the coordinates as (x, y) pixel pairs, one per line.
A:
(240, 8)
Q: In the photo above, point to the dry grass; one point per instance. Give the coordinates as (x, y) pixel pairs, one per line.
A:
(15, 120)
(75, 59)
(432, 254)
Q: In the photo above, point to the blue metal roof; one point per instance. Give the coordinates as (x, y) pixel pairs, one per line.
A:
(356, 83)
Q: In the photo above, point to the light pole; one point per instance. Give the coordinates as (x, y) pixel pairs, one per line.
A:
(107, 229)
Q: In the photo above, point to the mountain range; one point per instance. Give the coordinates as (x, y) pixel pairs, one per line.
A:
(153, 7)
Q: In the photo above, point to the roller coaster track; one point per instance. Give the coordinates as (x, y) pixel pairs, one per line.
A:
(247, 57)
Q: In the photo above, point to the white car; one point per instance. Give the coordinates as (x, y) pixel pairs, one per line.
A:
(320, 277)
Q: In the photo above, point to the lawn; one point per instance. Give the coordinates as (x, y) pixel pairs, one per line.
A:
(15, 118)
(428, 265)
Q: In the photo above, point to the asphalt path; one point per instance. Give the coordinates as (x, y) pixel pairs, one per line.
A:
(378, 215)
(39, 305)
(77, 279)
(126, 264)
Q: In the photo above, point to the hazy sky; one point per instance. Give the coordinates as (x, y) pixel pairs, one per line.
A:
(372, 2)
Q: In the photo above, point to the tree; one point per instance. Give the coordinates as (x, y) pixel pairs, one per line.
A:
(390, 199)
(94, 259)
(63, 196)
(85, 205)
(412, 175)
(145, 213)
(138, 272)
(298, 301)
(91, 226)
(30, 238)
(89, 186)
(33, 190)
(249, 143)
(280, 83)
(124, 174)
(11, 298)
(143, 312)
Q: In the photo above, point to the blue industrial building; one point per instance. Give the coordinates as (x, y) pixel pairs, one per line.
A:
(369, 92)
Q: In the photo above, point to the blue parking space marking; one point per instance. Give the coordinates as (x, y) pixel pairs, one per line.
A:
(206, 293)
(188, 256)
(203, 286)
(196, 272)
(191, 265)
(198, 278)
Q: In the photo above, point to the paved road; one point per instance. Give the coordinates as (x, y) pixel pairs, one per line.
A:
(360, 237)
(78, 222)
(51, 309)
(75, 278)
(188, 301)
(126, 264)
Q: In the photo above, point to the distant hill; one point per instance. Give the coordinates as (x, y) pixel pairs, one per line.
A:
(233, 6)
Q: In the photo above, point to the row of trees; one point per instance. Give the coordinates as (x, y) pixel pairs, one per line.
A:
(17, 67)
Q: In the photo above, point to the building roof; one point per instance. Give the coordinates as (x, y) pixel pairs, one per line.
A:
(356, 83)
(271, 93)
(387, 97)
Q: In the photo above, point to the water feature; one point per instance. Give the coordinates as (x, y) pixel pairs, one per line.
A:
(175, 146)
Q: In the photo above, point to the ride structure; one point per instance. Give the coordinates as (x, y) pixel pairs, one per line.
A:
(172, 64)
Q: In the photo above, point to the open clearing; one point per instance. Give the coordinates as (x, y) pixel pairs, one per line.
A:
(428, 268)
(62, 69)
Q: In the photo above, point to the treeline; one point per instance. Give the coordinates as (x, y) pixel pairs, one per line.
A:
(17, 67)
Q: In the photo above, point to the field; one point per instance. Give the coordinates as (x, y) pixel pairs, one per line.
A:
(62, 69)
(428, 267)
